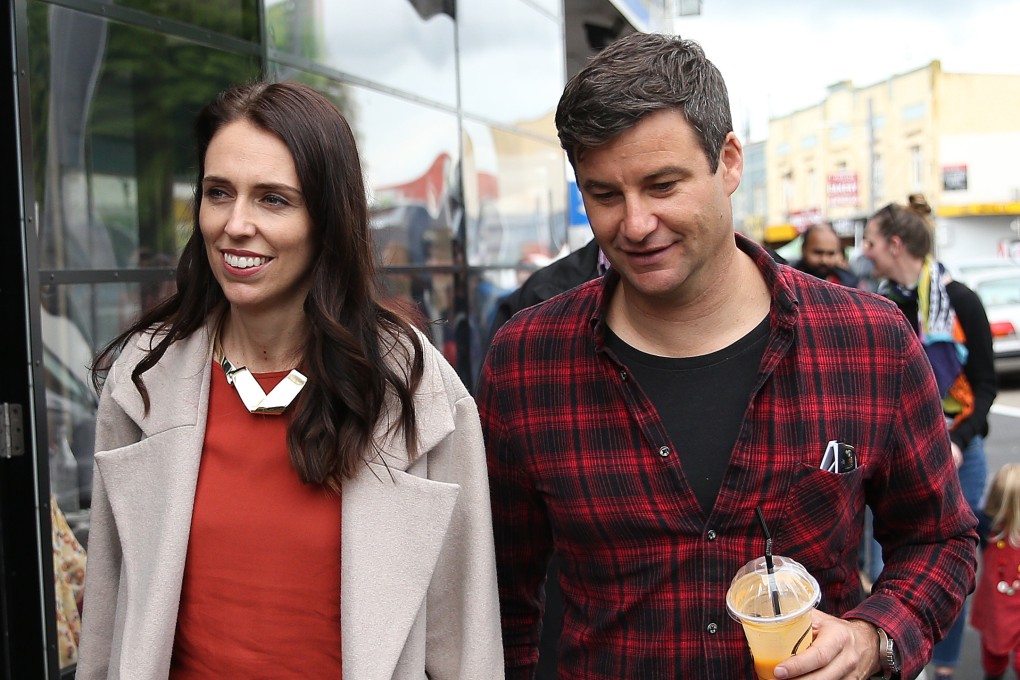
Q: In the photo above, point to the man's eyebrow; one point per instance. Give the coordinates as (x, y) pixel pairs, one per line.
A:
(658, 174)
(668, 170)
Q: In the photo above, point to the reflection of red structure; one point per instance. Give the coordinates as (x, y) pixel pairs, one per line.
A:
(429, 189)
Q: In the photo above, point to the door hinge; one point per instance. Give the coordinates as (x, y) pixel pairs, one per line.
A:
(12, 435)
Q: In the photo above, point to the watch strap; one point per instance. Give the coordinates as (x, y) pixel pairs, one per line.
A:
(888, 655)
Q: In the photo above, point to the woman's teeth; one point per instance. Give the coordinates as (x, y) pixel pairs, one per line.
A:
(244, 262)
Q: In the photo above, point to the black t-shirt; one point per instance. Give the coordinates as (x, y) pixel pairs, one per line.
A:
(701, 401)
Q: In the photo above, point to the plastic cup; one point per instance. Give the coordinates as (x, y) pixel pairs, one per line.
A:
(772, 638)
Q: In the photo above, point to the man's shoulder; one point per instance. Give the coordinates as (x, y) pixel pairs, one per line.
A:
(560, 317)
(818, 297)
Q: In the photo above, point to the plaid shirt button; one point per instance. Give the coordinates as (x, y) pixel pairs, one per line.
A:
(663, 451)
(710, 535)
(713, 628)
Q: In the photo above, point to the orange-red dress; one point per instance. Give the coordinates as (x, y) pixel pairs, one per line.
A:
(261, 591)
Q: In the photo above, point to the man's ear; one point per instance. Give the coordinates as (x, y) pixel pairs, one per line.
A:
(731, 162)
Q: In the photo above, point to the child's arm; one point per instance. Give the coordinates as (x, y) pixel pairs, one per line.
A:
(984, 528)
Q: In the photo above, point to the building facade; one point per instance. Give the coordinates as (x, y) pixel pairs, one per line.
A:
(452, 106)
(949, 136)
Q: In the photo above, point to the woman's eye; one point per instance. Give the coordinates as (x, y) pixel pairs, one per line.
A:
(214, 192)
(273, 199)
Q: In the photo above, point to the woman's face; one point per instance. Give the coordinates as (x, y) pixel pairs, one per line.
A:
(254, 221)
(877, 249)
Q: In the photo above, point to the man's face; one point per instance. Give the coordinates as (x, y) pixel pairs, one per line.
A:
(822, 253)
(659, 212)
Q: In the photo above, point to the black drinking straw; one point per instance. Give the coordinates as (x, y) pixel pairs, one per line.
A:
(773, 588)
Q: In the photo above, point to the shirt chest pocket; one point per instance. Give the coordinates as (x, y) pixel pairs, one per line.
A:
(821, 519)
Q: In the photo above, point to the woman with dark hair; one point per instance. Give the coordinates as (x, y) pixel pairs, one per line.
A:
(951, 322)
(289, 480)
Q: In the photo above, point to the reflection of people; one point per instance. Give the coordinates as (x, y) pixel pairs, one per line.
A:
(996, 610)
(68, 581)
(638, 421)
(822, 256)
(354, 531)
(582, 265)
(953, 327)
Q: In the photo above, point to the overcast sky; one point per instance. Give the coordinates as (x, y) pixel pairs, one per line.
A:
(778, 57)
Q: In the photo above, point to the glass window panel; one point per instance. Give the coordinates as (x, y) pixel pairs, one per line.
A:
(553, 7)
(511, 63)
(236, 18)
(431, 294)
(409, 152)
(514, 197)
(111, 120)
(403, 44)
(77, 321)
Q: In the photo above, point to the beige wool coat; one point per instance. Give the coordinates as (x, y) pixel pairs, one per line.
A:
(418, 576)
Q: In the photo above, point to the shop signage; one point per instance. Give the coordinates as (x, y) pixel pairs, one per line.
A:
(802, 219)
(954, 177)
(841, 189)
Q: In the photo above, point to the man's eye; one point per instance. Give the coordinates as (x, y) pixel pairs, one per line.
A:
(664, 186)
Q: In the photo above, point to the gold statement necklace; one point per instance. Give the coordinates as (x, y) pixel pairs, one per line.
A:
(254, 397)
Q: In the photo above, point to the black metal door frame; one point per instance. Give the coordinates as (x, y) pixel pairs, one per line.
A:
(27, 612)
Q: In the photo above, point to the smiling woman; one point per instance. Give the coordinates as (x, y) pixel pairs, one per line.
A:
(257, 233)
(361, 515)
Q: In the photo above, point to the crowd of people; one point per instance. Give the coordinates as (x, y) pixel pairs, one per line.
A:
(289, 476)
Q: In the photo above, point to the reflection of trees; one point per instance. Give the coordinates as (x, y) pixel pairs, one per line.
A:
(135, 119)
(116, 103)
(296, 28)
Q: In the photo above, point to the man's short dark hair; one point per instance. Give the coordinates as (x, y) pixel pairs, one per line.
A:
(641, 74)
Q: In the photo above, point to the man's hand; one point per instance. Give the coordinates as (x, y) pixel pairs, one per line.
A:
(842, 650)
(957, 454)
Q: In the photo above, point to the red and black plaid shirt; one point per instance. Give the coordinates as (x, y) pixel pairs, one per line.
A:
(580, 459)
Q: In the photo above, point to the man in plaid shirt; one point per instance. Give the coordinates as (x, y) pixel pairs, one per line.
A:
(637, 421)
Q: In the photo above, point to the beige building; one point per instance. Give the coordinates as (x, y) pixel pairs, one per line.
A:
(954, 137)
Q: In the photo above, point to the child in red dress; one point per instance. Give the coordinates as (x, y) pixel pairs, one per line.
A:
(995, 611)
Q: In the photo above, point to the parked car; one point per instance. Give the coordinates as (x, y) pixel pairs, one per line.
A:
(966, 270)
(999, 290)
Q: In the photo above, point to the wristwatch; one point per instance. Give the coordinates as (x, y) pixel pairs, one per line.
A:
(888, 656)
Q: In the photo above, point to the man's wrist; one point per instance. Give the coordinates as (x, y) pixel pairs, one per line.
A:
(868, 643)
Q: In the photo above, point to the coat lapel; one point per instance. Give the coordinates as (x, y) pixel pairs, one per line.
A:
(393, 529)
(151, 488)
(394, 523)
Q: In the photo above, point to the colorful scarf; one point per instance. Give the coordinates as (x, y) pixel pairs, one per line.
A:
(940, 333)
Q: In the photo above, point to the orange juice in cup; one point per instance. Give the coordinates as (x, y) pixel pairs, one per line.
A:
(774, 610)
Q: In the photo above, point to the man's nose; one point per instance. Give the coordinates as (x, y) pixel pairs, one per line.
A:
(639, 219)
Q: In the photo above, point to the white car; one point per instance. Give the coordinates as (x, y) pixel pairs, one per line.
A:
(999, 290)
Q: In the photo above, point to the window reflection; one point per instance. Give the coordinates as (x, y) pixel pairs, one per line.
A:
(77, 321)
(432, 295)
(407, 45)
(236, 18)
(514, 197)
(511, 62)
(111, 113)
